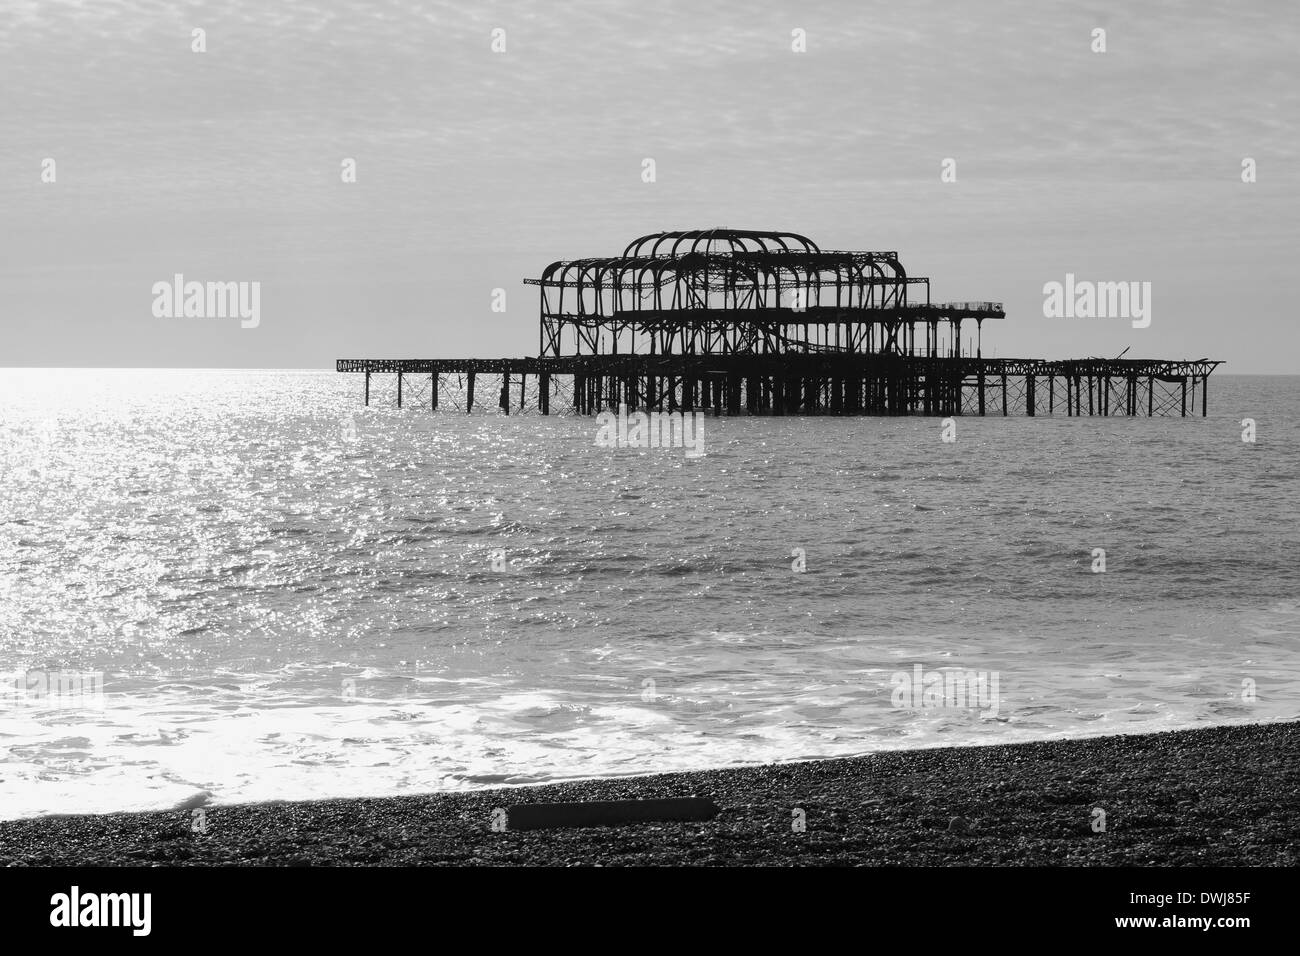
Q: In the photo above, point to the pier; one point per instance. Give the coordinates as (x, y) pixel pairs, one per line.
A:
(757, 323)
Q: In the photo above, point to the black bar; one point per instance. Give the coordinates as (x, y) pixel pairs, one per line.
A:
(604, 813)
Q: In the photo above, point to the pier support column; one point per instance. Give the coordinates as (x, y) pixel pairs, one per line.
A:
(1205, 387)
(1004, 394)
(367, 387)
(469, 393)
(980, 386)
(399, 389)
(433, 392)
(504, 402)
(1029, 395)
(544, 393)
(1151, 394)
(1184, 396)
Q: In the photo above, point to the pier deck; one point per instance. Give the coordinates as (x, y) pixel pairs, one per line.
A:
(804, 384)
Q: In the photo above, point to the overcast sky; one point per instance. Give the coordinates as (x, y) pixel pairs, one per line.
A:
(476, 169)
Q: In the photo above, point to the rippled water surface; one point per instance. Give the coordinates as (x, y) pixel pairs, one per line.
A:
(292, 596)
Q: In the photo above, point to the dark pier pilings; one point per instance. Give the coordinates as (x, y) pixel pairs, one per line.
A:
(816, 384)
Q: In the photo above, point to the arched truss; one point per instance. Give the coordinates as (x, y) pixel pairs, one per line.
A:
(728, 291)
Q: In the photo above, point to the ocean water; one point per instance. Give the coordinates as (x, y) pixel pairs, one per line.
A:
(291, 596)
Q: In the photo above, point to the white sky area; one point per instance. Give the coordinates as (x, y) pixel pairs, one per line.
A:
(476, 169)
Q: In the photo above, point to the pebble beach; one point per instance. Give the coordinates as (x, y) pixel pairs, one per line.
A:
(1216, 796)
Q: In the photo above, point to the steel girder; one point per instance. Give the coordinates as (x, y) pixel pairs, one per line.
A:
(714, 291)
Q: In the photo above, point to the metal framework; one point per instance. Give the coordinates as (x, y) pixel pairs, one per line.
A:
(767, 323)
(729, 292)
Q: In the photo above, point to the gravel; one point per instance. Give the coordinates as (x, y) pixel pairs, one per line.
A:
(1212, 796)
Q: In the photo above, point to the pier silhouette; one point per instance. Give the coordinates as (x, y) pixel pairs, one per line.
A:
(767, 323)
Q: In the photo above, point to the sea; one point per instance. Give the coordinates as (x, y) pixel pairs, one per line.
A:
(232, 586)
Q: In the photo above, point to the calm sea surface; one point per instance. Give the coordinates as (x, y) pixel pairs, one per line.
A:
(291, 596)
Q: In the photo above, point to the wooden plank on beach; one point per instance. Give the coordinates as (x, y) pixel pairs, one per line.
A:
(605, 813)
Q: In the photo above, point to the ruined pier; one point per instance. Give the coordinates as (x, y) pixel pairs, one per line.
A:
(759, 323)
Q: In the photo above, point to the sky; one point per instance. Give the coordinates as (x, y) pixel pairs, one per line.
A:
(477, 168)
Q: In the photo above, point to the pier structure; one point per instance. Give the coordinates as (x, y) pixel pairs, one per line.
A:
(764, 323)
